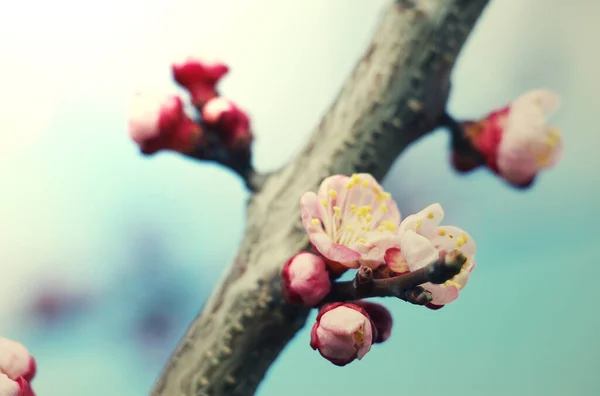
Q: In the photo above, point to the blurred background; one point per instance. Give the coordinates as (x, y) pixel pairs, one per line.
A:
(106, 256)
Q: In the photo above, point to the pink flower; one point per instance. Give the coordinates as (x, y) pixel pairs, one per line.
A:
(350, 221)
(305, 279)
(199, 77)
(17, 369)
(381, 318)
(515, 141)
(231, 122)
(343, 332)
(422, 241)
(160, 123)
(528, 144)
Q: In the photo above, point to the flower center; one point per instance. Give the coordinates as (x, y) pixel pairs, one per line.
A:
(359, 213)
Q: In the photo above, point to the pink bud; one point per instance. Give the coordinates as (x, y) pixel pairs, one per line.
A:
(199, 77)
(381, 317)
(160, 123)
(15, 360)
(305, 279)
(231, 122)
(343, 332)
(516, 141)
(17, 369)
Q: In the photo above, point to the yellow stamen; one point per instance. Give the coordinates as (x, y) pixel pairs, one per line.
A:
(337, 211)
(430, 215)
(316, 221)
(389, 225)
(451, 282)
(442, 232)
(324, 202)
(359, 335)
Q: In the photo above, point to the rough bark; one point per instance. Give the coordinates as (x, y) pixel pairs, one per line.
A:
(395, 95)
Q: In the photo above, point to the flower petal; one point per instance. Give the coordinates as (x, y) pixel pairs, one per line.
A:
(396, 261)
(442, 294)
(424, 222)
(15, 360)
(449, 238)
(417, 250)
(8, 387)
(342, 320)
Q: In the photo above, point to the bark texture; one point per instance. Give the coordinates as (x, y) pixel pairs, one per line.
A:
(395, 95)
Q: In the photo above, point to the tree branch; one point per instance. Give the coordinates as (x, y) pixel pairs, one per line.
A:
(238, 160)
(403, 286)
(395, 95)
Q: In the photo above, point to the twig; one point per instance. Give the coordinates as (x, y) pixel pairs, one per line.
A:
(238, 160)
(460, 142)
(404, 287)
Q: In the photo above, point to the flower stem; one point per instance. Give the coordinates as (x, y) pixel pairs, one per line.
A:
(405, 287)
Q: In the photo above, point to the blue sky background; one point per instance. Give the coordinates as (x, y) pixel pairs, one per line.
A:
(139, 243)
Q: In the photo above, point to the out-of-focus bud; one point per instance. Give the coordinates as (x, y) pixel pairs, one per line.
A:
(160, 123)
(231, 122)
(199, 78)
(17, 369)
(515, 142)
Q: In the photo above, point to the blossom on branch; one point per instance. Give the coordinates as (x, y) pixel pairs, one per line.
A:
(160, 123)
(199, 77)
(351, 221)
(515, 142)
(422, 241)
(342, 333)
(305, 279)
(17, 369)
(230, 122)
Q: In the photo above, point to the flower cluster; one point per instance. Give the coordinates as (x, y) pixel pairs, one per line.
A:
(17, 369)
(159, 122)
(515, 142)
(353, 223)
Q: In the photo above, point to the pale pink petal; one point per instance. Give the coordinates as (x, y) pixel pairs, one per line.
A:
(396, 261)
(366, 340)
(381, 318)
(460, 280)
(214, 108)
(544, 101)
(417, 250)
(15, 360)
(528, 143)
(373, 250)
(144, 113)
(442, 294)
(424, 222)
(8, 387)
(448, 238)
(342, 320)
(335, 346)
